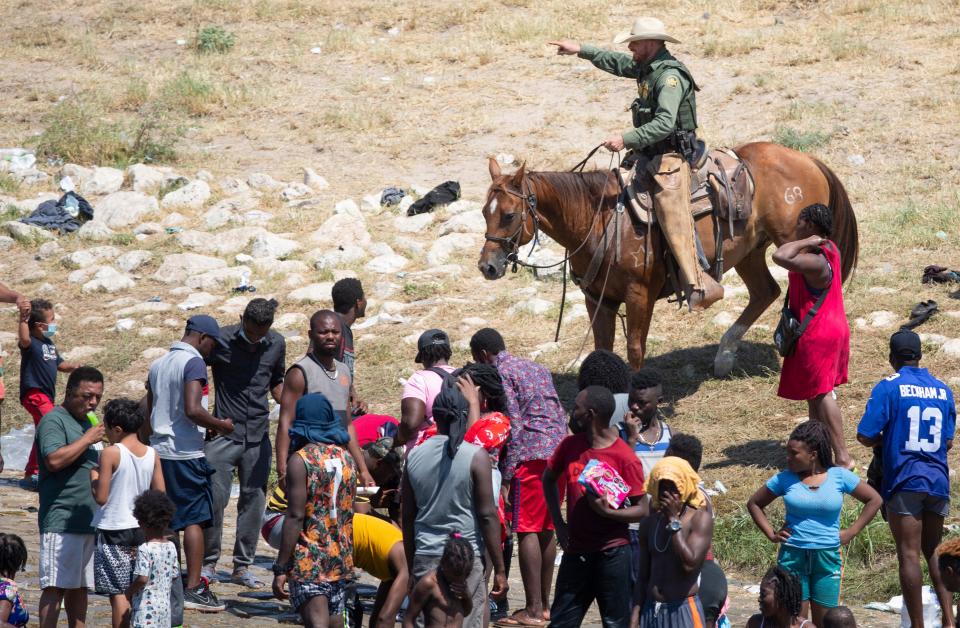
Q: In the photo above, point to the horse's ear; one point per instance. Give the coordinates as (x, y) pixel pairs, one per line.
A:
(518, 175)
(494, 166)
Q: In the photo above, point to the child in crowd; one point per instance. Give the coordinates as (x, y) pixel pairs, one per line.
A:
(127, 469)
(156, 567)
(441, 595)
(781, 598)
(839, 617)
(13, 558)
(39, 363)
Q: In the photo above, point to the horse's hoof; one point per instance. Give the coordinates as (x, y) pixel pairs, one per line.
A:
(723, 363)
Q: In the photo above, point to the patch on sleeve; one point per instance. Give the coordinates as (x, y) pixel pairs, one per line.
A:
(672, 81)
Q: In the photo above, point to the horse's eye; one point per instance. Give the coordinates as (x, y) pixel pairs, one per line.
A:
(506, 219)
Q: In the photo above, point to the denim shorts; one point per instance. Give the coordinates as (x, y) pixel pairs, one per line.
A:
(915, 504)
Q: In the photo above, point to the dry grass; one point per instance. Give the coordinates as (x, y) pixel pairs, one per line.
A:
(472, 79)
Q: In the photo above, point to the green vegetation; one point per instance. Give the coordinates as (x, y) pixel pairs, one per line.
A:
(214, 40)
(190, 94)
(800, 140)
(8, 184)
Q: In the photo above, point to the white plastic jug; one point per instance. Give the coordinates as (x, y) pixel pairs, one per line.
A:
(931, 610)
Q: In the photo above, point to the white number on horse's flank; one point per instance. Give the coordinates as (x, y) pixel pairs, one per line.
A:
(793, 194)
(914, 442)
(335, 466)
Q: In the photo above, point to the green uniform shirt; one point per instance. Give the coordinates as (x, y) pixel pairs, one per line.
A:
(661, 94)
(66, 501)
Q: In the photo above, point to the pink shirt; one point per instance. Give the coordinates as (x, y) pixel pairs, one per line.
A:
(425, 386)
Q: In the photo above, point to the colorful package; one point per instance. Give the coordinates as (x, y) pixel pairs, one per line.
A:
(604, 481)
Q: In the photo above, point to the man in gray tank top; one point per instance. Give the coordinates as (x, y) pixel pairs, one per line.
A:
(446, 489)
(319, 372)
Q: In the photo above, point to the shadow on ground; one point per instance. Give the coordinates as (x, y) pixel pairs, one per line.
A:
(765, 454)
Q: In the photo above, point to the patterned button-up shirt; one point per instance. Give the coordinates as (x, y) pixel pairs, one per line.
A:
(537, 422)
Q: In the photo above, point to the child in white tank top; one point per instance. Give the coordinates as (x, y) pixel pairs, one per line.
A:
(127, 469)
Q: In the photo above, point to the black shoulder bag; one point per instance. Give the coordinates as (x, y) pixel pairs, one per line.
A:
(789, 329)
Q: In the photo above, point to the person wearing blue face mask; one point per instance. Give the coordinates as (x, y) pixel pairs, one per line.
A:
(39, 363)
(248, 364)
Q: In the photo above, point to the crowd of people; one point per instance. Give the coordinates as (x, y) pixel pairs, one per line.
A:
(481, 462)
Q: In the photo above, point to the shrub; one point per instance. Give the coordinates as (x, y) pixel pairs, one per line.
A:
(214, 39)
(8, 184)
(800, 140)
(189, 93)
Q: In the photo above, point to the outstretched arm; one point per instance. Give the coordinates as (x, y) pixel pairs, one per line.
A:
(618, 63)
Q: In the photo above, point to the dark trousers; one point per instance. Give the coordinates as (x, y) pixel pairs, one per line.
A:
(602, 576)
(251, 462)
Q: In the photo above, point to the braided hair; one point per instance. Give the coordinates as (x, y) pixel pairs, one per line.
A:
(13, 555)
(814, 435)
(457, 556)
(786, 588)
(820, 216)
(432, 354)
(487, 378)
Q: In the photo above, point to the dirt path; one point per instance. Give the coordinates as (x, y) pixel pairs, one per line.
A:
(17, 517)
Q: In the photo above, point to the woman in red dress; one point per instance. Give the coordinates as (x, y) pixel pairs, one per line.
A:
(819, 363)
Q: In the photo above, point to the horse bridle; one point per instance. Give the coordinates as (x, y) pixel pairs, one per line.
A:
(512, 243)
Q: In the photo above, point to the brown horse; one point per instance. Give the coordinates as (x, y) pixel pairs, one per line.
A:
(575, 209)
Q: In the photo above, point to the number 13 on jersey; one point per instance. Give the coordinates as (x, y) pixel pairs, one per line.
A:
(929, 419)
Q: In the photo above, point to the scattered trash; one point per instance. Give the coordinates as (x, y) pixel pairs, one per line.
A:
(19, 159)
(316, 50)
(941, 234)
(67, 185)
(393, 31)
(172, 230)
(443, 194)
(940, 274)
(720, 487)
(931, 608)
(181, 42)
(391, 196)
(856, 160)
(506, 159)
(64, 215)
(154, 300)
(386, 79)
(245, 283)
(16, 445)
(429, 79)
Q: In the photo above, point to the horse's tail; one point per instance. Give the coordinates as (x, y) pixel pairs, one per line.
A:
(845, 232)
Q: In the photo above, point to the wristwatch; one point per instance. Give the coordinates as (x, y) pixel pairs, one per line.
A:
(674, 525)
(281, 570)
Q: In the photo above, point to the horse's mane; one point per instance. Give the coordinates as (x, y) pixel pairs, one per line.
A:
(573, 188)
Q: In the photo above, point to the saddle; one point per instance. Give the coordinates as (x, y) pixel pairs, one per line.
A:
(720, 183)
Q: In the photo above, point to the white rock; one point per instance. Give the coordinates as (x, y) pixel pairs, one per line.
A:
(122, 209)
(541, 349)
(269, 245)
(132, 260)
(86, 257)
(143, 178)
(178, 266)
(474, 321)
(444, 247)
(197, 300)
(380, 248)
(224, 243)
(531, 306)
(230, 210)
(405, 203)
(232, 185)
(882, 319)
(342, 229)
(295, 280)
(102, 181)
(335, 257)
(22, 232)
(934, 339)
(153, 353)
(6, 242)
(370, 203)
(148, 228)
(47, 249)
(443, 271)
(95, 231)
(291, 320)
(347, 206)
(82, 274)
(882, 290)
(295, 190)
(263, 182)
(146, 307)
(461, 206)
(78, 354)
(951, 348)
(315, 292)
(219, 278)
(107, 279)
(466, 222)
(191, 196)
(125, 324)
(388, 263)
(77, 173)
(257, 217)
(205, 175)
(269, 266)
(412, 224)
(234, 305)
(574, 312)
(242, 258)
(723, 319)
(315, 181)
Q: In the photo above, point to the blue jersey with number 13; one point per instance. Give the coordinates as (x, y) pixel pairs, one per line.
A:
(917, 416)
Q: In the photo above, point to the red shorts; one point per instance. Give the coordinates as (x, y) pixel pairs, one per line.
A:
(37, 404)
(530, 512)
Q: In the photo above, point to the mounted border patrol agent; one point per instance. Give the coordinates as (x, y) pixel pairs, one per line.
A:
(663, 139)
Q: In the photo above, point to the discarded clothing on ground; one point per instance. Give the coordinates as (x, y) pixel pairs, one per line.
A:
(940, 274)
(920, 313)
(391, 197)
(445, 193)
(65, 215)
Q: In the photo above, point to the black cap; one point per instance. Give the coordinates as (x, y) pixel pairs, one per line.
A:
(905, 345)
(204, 324)
(430, 338)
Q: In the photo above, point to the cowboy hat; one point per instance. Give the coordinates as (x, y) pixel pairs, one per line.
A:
(645, 28)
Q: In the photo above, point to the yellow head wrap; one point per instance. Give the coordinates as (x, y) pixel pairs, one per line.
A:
(678, 471)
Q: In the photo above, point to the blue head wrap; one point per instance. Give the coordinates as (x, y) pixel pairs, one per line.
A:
(316, 422)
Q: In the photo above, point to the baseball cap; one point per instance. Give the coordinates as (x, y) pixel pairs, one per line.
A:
(205, 325)
(905, 344)
(430, 338)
